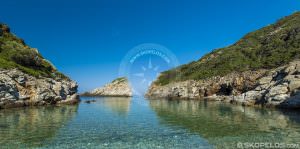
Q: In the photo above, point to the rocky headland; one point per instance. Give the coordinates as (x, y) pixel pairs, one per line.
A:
(278, 87)
(261, 69)
(27, 79)
(117, 88)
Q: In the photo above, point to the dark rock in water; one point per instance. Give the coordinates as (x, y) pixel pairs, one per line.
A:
(90, 101)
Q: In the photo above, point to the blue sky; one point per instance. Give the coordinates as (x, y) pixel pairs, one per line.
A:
(87, 39)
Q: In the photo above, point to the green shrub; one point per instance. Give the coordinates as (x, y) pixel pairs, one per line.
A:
(266, 48)
(14, 53)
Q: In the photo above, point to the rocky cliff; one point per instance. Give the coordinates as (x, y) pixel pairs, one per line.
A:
(27, 79)
(279, 87)
(118, 87)
(260, 69)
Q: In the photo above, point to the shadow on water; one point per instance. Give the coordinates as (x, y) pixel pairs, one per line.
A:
(33, 127)
(224, 125)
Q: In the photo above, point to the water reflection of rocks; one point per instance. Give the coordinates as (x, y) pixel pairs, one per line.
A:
(224, 125)
(118, 105)
(32, 127)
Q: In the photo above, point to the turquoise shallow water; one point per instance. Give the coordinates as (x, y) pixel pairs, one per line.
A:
(112, 122)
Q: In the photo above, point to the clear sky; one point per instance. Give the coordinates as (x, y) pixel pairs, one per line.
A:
(87, 39)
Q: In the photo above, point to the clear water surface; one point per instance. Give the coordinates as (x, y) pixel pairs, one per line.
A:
(114, 122)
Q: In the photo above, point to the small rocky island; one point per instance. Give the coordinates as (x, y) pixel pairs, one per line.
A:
(27, 79)
(261, 69)
(117, 88)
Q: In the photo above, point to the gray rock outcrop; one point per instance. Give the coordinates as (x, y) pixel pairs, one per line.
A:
(278, 87)
(27, 78)
(18, 89)
(118, 87)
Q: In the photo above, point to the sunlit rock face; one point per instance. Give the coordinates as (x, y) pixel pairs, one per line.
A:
(18, 89)
(27, 78)
(33, 127)
(224, 125)
(118, 87)
(278, 87)
(261, 68)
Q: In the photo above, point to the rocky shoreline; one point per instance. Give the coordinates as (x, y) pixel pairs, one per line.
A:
(27, 78)
(18, 89)
(278, 87)
(117, 88)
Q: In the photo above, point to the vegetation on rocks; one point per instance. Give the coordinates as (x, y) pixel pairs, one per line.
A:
(266, 48)
(121, 79)
(119, 87)
(27, 79)
(14, 53)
